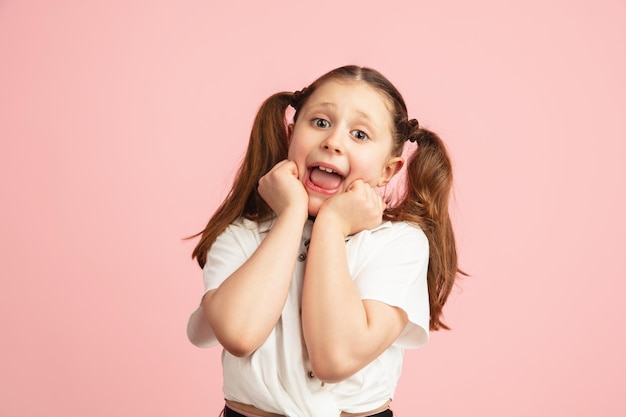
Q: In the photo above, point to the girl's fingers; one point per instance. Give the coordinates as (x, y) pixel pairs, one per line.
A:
(288, 165)
(293, 168)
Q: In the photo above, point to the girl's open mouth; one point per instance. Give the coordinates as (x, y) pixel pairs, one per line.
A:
(325, 179)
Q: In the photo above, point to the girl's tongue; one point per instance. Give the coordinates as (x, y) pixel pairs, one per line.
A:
(326, 180)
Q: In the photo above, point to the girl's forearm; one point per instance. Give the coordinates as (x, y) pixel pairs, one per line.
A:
(343, 333)
(245, 308)
(333, 316)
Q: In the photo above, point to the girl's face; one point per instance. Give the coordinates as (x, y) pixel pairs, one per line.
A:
(343, 133)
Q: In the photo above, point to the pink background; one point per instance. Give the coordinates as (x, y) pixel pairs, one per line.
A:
(121, 124)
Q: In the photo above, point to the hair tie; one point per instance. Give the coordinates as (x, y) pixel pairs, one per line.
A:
(412, 126)
(296, 98)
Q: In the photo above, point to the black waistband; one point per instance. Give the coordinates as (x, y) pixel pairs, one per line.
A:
(384, 413)
(228, 412)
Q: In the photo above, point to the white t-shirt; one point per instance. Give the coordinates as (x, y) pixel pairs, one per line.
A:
(388, 264)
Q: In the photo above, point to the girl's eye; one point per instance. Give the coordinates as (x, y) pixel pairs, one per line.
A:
(359, 134)
(322, 123)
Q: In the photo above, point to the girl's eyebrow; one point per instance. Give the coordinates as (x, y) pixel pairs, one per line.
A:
(324, 104)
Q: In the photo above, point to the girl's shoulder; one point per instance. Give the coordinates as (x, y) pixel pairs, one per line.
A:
(390, 236)
(242, 234)
(244, 225)
(394, 230)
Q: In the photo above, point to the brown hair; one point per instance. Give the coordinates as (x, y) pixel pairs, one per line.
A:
(424, 202)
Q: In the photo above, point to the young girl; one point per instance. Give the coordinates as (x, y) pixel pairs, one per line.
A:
(314, 284)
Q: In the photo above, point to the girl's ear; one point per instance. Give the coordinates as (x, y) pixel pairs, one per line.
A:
(392, 167)
(289, 132)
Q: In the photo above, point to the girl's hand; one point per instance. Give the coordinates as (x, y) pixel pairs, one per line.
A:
(358, 208)
(282, 190)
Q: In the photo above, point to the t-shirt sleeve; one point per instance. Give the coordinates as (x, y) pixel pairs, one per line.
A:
(394, 271)
(226, 255)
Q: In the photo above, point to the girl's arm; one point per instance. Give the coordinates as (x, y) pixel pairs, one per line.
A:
(343, 333)
(244, 309)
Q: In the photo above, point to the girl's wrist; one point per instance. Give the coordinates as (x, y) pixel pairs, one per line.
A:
(294, 214)
(328, 222)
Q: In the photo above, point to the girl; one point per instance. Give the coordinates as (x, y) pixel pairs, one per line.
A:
(314, 284)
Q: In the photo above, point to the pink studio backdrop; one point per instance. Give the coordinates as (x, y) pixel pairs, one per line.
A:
(122, 122)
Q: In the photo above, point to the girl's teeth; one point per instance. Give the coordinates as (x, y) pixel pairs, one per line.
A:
(326, 169)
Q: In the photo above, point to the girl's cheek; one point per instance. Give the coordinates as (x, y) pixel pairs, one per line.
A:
(301, 171)
(290, 152)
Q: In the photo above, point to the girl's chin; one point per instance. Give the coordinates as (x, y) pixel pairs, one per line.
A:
(314, 205)
(313, 210)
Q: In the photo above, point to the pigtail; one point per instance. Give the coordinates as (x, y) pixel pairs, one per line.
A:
(267, 146)
(428, 186)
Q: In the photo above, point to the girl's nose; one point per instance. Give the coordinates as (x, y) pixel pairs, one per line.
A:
(333, 142)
